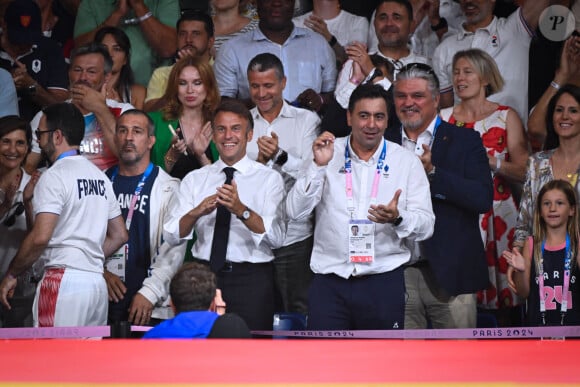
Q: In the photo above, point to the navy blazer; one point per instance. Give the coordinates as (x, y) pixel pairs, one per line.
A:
(461, 189)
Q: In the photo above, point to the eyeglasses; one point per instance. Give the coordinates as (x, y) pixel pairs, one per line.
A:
(17, 210)
(39, 132)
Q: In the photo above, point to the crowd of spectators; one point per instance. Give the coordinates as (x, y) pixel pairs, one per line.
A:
(383, 162)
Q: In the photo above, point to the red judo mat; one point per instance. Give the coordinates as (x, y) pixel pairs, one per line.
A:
(289, 362)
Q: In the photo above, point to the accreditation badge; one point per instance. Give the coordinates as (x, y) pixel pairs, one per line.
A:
(116, 263)
(361, 241)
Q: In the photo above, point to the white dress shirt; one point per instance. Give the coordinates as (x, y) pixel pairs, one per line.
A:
(426, 137)
(296, 129)
(259, 187)
(323, 189)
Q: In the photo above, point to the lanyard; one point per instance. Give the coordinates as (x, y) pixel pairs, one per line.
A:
(348, 174)
(72, 152)
(137, 193)
(564, 304)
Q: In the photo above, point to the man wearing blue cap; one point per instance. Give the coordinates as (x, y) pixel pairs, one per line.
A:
(36, 63)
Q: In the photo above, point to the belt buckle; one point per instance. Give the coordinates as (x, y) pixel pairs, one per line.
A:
(228, 267)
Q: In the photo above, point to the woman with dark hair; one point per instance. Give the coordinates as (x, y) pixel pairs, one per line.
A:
(183, 126)
(562, 162)
(475, 78)
(121, 86)
(568, 72)
(16, 217)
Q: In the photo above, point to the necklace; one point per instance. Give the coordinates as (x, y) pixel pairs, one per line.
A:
(571, 173)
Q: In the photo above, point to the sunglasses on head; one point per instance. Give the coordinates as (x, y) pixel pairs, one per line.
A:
(417, 66)
(17, 210)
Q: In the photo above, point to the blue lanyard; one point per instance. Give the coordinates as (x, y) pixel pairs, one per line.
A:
(567, 262)
(348, 161)
(137, 193)
(72, 152)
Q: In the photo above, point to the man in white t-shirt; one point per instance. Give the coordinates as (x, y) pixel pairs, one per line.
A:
(89, 70)
(507, 40)
(337, 26)
(77, 223)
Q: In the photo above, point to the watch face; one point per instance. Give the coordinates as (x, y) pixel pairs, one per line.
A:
(246, 215)
(281, 160)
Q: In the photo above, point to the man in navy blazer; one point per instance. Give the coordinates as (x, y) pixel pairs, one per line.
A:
(448, 269)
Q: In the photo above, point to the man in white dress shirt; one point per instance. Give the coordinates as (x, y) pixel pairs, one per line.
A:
(255, 199)
(380, 187)
(283, 136)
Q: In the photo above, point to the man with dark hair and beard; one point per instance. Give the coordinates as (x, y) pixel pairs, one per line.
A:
(195, 36)
(77, 224)
(138, 275)
(89, 70)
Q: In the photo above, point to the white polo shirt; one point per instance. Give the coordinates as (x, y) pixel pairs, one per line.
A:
(507, 40)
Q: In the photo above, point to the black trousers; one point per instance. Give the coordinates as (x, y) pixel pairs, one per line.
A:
(248, 290)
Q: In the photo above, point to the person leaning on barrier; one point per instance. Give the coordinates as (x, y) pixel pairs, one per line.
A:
(199, 308)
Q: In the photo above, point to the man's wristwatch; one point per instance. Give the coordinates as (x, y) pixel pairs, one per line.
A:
(245, 215)
(397, 220)
(431, 174)
(439, 26)
(332, 42)
(31, 89)
(281, 157)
